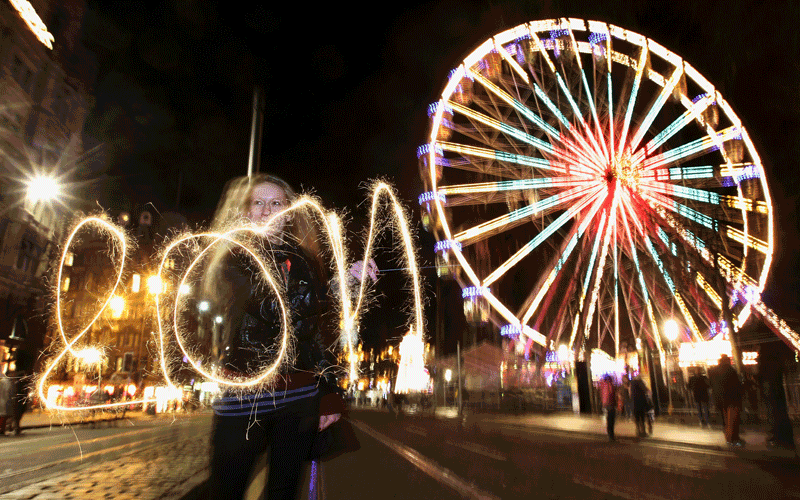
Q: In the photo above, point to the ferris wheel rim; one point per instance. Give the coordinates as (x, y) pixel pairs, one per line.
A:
(496, 44)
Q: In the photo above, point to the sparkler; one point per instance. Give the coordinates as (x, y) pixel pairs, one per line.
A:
(386, 211)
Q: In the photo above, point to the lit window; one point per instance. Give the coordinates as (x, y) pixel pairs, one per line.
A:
(136, 283)
(65, 287)
(70, 258)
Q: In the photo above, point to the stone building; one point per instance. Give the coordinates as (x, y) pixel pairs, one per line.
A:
(46, 79)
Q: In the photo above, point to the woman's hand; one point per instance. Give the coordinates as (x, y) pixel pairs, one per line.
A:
(326, 420)
(358, 268)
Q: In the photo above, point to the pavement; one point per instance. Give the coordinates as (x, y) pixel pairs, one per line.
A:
(666, 429)
(151, 472)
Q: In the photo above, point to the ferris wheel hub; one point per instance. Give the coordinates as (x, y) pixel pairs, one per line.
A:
(624, 169)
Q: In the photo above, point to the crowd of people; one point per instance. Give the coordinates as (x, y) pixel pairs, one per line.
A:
(723, 385)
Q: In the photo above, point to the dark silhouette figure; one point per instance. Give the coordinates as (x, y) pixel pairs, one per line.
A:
(731, 400)
(699, 385)
(641, 405)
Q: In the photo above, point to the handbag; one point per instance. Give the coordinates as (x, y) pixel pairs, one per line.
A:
(336, 440)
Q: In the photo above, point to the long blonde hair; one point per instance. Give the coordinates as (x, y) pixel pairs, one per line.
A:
(235, 200)
(300, 230)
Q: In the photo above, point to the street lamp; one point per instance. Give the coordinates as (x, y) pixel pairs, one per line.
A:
(448, 376)
(671, 332)
(154, 285)
(43, 188)
(117, 305)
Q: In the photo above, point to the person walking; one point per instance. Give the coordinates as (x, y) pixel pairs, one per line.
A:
(731, 400)
(640, 405)
(6, 400)
(625, 405)
(699, 386)
(19, 402)
(608, 395)
(715, 380)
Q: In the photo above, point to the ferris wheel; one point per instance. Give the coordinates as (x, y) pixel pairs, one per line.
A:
(588, 184)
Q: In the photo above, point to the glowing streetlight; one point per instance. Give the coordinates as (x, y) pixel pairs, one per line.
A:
(90, 355)
(563, 353)
(448, 375)
(671, 330)
(43, 188)
(203, 306)
(155, 285)
(117, 305)
(184, 289)
(218, 320)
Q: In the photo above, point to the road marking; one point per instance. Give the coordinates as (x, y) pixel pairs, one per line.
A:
(479, 449)
(428, 466)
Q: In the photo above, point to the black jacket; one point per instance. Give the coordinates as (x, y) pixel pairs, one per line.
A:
(252, 330)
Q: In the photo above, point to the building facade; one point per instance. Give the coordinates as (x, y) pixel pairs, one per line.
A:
(119, 348)
(46, 79)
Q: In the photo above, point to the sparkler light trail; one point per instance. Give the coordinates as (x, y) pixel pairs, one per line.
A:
(386, 213)
(581, 149)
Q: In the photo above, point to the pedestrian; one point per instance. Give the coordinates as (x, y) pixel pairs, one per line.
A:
(715, 380)
(305, 399)
(771, 365)
(640, 405)
(699, 386)
(750, 389)
(627, 402)
(608, 395)
(6, 401)
(731, 400)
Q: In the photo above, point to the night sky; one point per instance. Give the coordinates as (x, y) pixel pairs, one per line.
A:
(347, 92)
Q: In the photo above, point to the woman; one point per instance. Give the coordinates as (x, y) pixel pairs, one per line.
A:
(305, 398)
(608, 395)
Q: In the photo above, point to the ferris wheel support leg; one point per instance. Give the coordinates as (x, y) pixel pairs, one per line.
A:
(733, 335)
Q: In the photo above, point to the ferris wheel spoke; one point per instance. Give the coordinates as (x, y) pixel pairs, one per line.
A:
(596, 149)
(684, 211)
(488, 121)
(643, 285)
(514, 185)
(637, 80)
(598, 279)
(518, 216)
(689, 150)
(587, 277)
(671, 286)
(514, 103)
(656, 108)
(684, 119)
(532, 303)
(590, 99)
(502, 156)
(542, 236)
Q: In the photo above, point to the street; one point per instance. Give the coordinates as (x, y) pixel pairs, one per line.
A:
(560, 455)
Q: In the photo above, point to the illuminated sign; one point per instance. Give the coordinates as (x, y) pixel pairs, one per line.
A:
(34, 22)
(708, 353)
